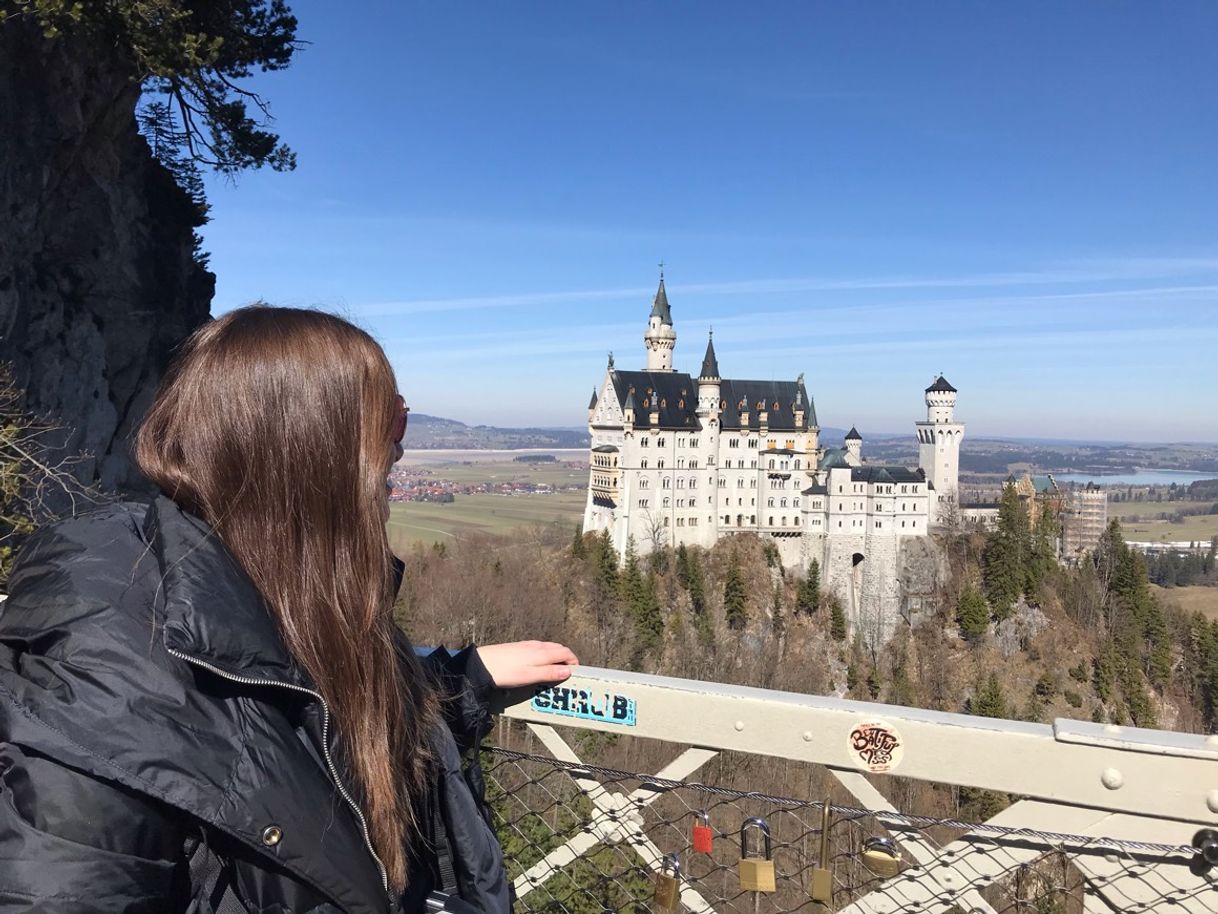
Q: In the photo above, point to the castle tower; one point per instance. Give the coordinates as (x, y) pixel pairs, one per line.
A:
(854, 447)
(708, 382)
(939, 445)
(660, 339)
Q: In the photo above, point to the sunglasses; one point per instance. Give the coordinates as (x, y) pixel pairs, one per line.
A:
(399, 427)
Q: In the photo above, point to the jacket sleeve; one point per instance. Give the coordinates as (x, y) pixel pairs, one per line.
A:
(465, 693)
(72, 843)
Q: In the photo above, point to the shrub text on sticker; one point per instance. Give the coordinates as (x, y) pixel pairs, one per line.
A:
(586, 705)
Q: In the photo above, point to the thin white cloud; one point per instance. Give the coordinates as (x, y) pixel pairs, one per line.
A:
(1135, 269)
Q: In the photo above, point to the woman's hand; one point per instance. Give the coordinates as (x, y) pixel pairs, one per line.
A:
(525, 663)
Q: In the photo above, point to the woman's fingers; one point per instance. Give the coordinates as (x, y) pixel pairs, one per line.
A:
(523, 663)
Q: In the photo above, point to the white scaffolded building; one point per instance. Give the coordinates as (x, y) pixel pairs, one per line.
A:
(677, 459)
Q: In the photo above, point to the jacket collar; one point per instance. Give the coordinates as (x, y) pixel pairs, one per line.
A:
(213, 611)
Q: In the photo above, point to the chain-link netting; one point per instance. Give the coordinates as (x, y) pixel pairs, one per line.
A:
(588, 840)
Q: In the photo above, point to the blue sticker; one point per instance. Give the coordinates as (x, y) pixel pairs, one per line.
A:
(603, 706)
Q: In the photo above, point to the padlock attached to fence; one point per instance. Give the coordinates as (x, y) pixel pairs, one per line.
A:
(822, 876)
(668, 885)
(880, 855)
(703, 838)
(756, 873)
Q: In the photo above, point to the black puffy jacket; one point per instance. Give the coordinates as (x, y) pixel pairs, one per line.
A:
(147, 703)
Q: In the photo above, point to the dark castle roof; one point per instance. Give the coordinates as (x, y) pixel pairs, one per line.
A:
(710, 364)
(675, 396)
(886, 474)
(853, 434)
(672, 394)
(659, 306)
(777, 398)
(941, 386)
(592, 402)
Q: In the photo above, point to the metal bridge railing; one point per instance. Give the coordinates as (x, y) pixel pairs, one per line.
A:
(589, 839)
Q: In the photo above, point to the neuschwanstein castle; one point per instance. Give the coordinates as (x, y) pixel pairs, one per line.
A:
(678, 459)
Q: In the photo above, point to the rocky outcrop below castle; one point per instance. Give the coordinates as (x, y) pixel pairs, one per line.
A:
(98, 278)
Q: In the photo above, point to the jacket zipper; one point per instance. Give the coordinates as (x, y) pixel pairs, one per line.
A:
(325, 745)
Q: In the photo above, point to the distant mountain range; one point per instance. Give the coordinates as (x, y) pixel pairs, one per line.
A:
(434, 433)
(978, 454)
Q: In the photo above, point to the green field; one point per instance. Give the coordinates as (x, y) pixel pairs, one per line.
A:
(1190, 599)
(471, 473)
(428, 522)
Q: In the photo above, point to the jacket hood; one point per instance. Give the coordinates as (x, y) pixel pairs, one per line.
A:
(211, 608)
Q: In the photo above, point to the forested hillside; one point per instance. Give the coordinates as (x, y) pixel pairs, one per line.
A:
(1013, 635)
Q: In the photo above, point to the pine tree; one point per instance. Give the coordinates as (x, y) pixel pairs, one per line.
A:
(735, 599)
(972, 615)
(1005, 560)
(837, 620)
(648, 618)
(579, 548)
(808, 599)
(776, 614)
(990, 699)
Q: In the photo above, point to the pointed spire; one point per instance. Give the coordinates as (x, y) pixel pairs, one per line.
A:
(710, 364)
(853, 434)
(592, 402)
(659, 305)
(629, 404)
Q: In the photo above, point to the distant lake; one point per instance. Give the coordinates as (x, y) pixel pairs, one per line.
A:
(1140, 478)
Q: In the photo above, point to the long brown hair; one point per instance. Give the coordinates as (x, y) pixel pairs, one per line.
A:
(274, 426)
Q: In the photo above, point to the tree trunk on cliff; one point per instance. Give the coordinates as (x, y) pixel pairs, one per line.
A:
(98, 276)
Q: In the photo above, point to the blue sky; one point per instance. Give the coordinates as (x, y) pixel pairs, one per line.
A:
(1022, 196)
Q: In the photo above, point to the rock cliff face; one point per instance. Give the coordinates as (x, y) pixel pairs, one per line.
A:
(98, 282)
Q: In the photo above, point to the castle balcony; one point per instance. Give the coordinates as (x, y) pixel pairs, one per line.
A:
(870, 808)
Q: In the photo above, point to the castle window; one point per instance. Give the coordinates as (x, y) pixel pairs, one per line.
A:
(660, 464)
(644, 483)
(771, 520)
(794, 502)
(643, 464)
(752, 464)
(752, 442)
(752, 518)
(666, 522)
(902, 523)
(667, 501)
(877, 525)
(771, 444)
(693, 521)
(680, 482)
(769, 502)
(680, 522)
(680, 463)
(797, 464)
(660, 442)
(784, 520)
(771, 464)
(733, 442)
(693, 482)
(839, 523)
(693, 442)
(797, 521)
(680, 442)
(722, 482)
(839, 488)
(790, 444)
(783, 503)
(680, 502)
(667, 483)
(642, 502)
(752, 483)
(693, 463)
(646, 442)
(727, 520)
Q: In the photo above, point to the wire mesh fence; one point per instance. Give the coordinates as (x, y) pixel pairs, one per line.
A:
(586, 839)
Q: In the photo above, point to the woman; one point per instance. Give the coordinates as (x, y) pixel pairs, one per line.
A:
(205, 704)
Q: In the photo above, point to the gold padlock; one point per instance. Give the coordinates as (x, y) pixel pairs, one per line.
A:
(756, 873)
(668, 885)
(822, 876)
(880, 855)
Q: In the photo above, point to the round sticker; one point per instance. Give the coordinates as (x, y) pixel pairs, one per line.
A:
(877, 746)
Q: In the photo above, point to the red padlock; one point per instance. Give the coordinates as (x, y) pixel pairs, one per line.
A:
(703, 837)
